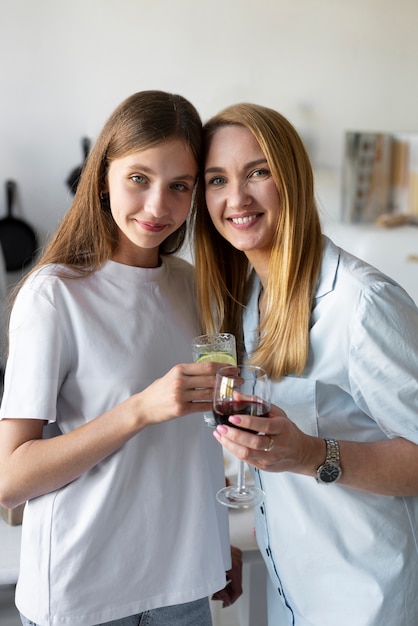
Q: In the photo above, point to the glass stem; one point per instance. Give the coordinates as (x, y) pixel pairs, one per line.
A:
(241, 477)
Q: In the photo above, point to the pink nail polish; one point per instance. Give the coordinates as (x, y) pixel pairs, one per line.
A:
(216, 435)
(234, 419)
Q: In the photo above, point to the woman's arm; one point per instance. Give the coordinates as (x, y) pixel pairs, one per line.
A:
(388, 467)
(31, 466)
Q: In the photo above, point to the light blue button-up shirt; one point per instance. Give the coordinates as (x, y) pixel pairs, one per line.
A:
(338, 556)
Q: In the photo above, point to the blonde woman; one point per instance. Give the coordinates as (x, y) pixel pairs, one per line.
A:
(120, 526)
(339, 458)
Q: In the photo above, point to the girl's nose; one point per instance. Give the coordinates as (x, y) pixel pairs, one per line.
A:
(156, 202)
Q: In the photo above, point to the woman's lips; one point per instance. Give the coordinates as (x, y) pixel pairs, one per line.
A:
(244, 220)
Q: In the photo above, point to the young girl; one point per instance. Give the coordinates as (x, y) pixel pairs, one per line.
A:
(121, 525)
(340, 342)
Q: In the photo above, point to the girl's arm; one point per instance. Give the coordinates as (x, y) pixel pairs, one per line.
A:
(31, 466)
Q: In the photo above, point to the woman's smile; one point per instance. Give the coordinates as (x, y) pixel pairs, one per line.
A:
(244, 220)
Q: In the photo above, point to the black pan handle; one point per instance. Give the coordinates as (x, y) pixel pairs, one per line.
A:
(11, 195)
(86, 146)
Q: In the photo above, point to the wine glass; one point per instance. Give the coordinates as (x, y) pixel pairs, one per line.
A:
(219, 347)
(240, 390)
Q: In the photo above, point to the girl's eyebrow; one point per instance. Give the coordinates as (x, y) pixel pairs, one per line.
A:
(210, 170)
(148, 170)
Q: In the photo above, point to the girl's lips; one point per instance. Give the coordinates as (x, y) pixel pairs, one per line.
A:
(152, 227)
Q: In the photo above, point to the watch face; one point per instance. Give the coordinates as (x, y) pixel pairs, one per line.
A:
(329, 473)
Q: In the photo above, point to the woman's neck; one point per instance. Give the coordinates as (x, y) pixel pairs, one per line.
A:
(260, 261)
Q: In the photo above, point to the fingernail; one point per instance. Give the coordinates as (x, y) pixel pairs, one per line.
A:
(216, 435)
(234, 419)
(222, 429)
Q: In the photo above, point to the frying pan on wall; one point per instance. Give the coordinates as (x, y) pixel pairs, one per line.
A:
(74, 176)
(18, 240)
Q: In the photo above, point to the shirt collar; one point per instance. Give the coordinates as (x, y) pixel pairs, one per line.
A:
(329, 267)
(326, 279)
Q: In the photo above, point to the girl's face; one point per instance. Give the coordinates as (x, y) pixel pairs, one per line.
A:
(241, 195)
(150, 193)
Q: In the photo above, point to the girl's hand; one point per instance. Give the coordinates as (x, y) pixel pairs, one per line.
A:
(186, 388)
(233, 588)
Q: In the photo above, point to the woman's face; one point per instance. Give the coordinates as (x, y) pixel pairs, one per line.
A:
(241, 195)
(150, 193)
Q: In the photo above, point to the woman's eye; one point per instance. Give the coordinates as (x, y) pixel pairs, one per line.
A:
(217, 180)
(137, 178)
(262, 173)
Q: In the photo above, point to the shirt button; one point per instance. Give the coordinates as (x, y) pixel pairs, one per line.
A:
(262, 510)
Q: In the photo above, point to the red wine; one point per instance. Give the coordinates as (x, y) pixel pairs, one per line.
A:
(224, 408)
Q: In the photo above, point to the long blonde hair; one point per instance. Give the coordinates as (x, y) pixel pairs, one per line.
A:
(223, 273)
(88, 235)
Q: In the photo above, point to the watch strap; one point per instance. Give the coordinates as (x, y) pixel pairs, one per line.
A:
(333, 452)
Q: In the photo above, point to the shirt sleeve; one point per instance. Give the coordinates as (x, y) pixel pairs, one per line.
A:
(383, 365)
(38, 358)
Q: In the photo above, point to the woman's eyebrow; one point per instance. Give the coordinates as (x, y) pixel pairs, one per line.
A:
(216, 168)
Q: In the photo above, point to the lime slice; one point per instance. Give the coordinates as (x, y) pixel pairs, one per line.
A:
(218, 357)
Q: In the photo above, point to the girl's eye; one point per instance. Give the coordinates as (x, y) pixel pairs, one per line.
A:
(179, 186)
(217, 180)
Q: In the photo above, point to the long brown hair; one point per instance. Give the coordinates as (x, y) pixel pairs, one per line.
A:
(223, 272)
(88, 235)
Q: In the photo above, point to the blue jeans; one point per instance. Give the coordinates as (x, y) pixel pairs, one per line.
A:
(195, 613)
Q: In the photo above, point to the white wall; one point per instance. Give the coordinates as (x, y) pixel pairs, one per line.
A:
(328, 65)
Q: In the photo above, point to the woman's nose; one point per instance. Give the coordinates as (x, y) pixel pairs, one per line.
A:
(238, 195)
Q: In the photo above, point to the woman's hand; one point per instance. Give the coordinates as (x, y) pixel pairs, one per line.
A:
(282, 446)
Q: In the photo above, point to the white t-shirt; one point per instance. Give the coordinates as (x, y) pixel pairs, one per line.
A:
(338, 555)
(142, 529)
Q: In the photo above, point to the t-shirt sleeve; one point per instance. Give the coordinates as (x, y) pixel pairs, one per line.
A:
(38, 358)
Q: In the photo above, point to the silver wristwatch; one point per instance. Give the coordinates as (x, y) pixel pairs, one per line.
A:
(330, 470)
